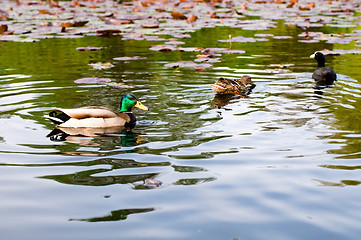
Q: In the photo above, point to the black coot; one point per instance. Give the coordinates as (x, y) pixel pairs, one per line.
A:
(323, 75)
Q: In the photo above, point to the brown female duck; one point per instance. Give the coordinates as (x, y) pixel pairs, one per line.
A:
(236, 87)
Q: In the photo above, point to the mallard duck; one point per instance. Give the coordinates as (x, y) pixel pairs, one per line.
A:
(98, 117)
(323, 75)
(235, 87)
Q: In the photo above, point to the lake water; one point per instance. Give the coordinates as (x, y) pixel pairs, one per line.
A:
(283, 163)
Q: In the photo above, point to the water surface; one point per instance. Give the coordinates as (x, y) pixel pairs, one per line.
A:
(283, 163)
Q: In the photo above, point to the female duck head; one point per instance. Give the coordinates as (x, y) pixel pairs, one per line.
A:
(128, 101)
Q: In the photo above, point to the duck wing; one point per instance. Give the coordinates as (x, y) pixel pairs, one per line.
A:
(89, 112)
(228, 86)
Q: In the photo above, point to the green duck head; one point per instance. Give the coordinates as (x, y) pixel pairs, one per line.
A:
(129, 101)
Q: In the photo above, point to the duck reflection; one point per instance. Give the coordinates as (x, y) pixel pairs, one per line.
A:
(221, 100)
(318, 90)
(86, 136)
(89, 178)
(116, 215)
(342, 183)
(99, 175)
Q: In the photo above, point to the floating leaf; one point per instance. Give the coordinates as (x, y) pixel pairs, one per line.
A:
(93, 80)
(100, 65)
(214, 50)
(114, 21)
(192, 18)
(281, 65)
(88, 48)
(263, 35)
(74, 24)
(117, 85)
(336, 52)
(108, 32)
(150, 181)
(347, 10)
(151, 25)
(3, 15)
(240, 39)
(174, 42)
(180, 35)
(4, 30)
(187, 64)
(208, 60)
(178, 15)
(163, 48)
(308, 41)
(235, 51)
(189, 49)
(128, 58)
(205, 55)
(339, 40)
(282, 37)
(44, 12)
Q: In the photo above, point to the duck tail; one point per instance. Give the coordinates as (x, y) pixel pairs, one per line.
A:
(58, 117)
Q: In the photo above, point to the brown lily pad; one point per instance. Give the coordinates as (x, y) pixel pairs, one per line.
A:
(178, 15)
(74, 24)
(4, 30)
(192, 18)
(108, 32)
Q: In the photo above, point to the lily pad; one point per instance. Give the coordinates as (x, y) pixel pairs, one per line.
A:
(90, 48)
(114, 21)
(128, 58)
(188, 64)
(163, 48)
(207, 60)
(108, 32)
(100, 65)
(241, 39)
(189, 49)
(118, 85)
(174, 42)
(153, 182)
(235, 51)
(282, 37)
(337, 52)
(92, 80)
(178, 15)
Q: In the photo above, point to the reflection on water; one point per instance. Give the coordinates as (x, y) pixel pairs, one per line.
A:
(223, 100)
(198, 165)
(117, 215)
(87, 178)
(342, 183)
(85, 136)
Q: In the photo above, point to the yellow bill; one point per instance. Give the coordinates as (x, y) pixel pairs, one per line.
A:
(140, 106)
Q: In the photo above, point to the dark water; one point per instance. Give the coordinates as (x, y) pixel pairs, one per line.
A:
(281, 164)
